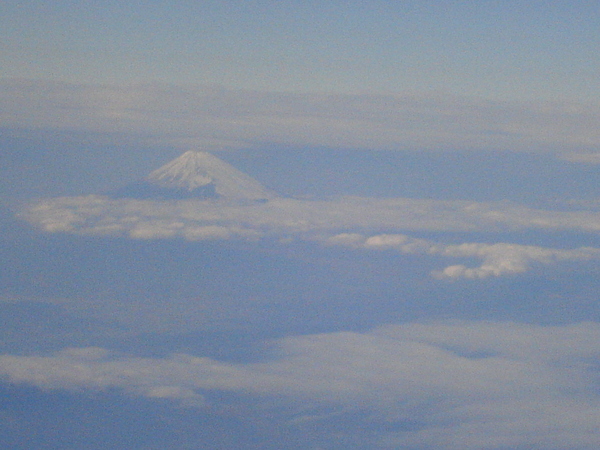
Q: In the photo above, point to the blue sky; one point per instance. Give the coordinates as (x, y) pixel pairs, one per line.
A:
(423, 275)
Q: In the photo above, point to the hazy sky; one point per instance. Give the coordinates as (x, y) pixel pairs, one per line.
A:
(493, 49)
(423, 274)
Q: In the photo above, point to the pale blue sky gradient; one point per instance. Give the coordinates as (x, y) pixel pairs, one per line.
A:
(499, 50)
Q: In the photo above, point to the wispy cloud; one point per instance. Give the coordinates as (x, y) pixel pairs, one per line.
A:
(332, 222)
(210, 116)
(467, 384)
(498, 259)
(102, 215)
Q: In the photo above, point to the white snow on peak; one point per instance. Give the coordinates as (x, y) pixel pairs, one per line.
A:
(195, 169)
(189, 171)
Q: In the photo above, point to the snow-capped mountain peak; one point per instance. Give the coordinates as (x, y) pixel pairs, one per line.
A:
(200, 174)
(196, 174)
(188, 171)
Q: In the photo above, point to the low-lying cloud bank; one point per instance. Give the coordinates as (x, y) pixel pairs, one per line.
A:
(215, 117)
(333, 222)
(498, 259)
(462, 385)
(96, 215)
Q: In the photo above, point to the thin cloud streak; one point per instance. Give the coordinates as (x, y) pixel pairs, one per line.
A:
(215, 117)
(95, 214)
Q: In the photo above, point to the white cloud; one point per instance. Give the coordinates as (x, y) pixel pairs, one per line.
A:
(470, 385)
(205, 117)
(323, 220)
(498, 259)
(101, 215)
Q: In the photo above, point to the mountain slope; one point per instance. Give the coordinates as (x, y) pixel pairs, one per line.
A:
(197, 175)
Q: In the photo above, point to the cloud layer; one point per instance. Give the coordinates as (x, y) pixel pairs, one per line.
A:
(468, 385)
(101, 215)
(333, 222)
(498, 259)
(214, 117)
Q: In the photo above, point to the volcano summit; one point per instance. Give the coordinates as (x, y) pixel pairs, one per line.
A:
(196, 175)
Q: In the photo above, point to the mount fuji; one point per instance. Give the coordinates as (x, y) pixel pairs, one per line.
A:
(196, 174)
